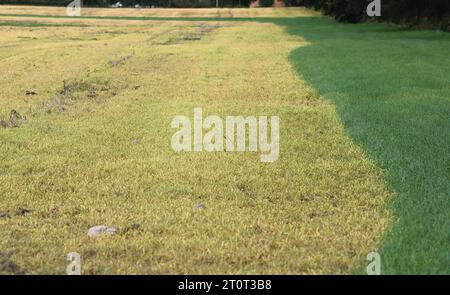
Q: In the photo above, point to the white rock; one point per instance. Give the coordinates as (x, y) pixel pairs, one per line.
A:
(101, 229)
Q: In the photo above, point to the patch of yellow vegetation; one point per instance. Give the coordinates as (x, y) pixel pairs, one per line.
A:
(166, 12)
(106, 158)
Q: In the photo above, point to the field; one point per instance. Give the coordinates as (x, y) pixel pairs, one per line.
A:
(364, 162)
(163, 12)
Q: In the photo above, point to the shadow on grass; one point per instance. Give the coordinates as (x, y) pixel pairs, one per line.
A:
(391, 88)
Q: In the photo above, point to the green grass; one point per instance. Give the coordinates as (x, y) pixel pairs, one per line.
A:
(392, 90)
(106, 158)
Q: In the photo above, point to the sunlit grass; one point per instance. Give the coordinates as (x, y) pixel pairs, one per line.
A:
(166, 12)
(391, 87)
(106, 159)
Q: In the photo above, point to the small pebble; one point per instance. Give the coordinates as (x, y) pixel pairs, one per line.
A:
(101, 229)
(200, 206)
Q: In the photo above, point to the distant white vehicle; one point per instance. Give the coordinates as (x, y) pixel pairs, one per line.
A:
(137, 6)
(117, 5)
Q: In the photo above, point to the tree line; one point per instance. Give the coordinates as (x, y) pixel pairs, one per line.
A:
(413, 12)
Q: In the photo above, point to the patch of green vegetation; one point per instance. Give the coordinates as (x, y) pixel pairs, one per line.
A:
(392, 90)
(95, 150)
